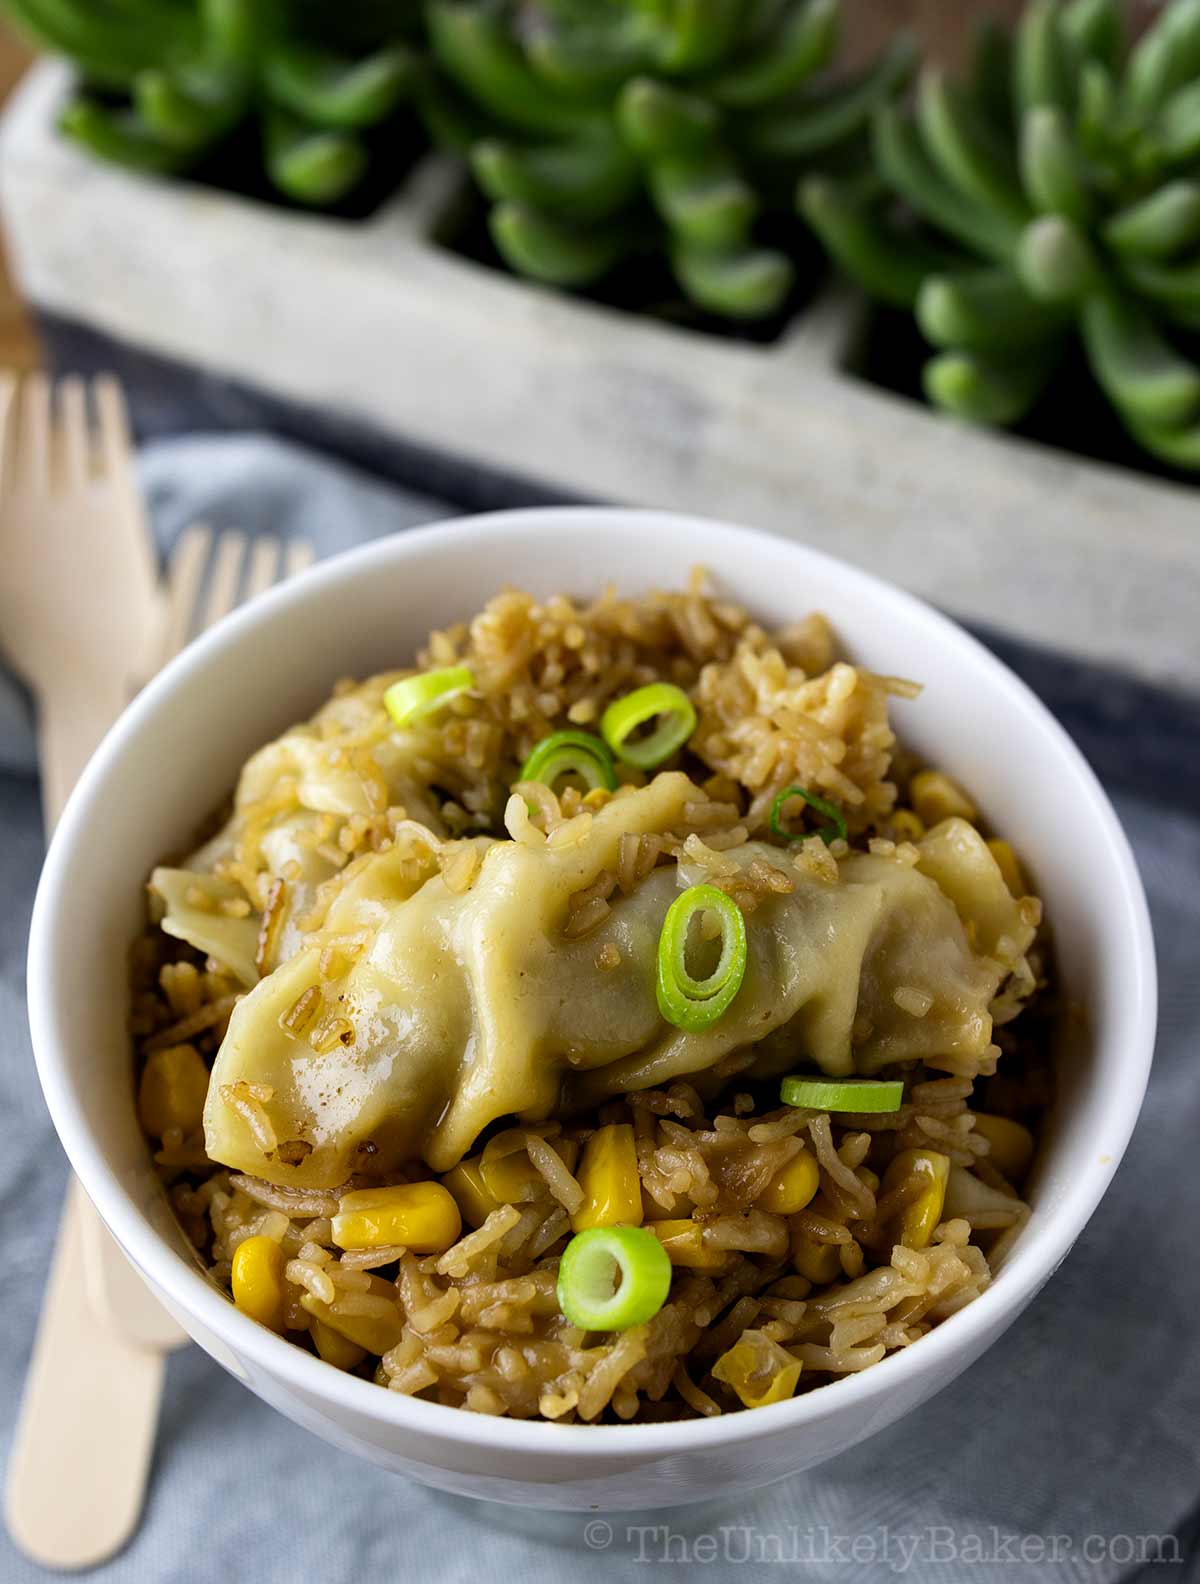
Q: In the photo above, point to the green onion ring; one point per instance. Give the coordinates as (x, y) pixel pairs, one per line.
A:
(836, 826)
(571, 753)
(588, 1270)
(408, 700)
(624, 715)
(695, 1004)
(843, 1094)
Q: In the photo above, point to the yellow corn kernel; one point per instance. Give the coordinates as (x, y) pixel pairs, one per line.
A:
(374, 1333)
(935, 797)
(470, 1192)
(685, 1245)
(1011, 1144)
(172, 1091)
(336, 1349)
(759, 1370)
(259, 1288)
(792, 1187)
(421, 1216)
(820, 1262)
(906, 826)
(1009, 865)
(509, 1178)
(915, 1224)
(608, 1175)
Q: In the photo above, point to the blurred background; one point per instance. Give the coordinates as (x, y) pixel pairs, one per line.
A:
(916, 280)
(913, 281)
(944, 24)
(18, 346)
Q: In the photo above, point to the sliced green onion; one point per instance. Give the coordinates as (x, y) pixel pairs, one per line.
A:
(415, 696)
(687, 1002)
(843, 1094)
(571, 753)
(624, 715)
(835, 826)
(611, 1278)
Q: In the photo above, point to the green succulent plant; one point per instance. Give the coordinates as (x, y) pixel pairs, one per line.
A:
(165, 83)
(598, 132)
(1053, 196)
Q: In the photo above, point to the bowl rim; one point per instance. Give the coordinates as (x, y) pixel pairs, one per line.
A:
(1035, 1257)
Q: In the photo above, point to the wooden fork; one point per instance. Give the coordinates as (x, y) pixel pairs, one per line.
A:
(80, 606)
(90, 1407)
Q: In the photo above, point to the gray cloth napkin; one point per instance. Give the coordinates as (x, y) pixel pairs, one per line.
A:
(1071, 1451)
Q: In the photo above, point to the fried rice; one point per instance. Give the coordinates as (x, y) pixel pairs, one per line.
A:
(762, 1305)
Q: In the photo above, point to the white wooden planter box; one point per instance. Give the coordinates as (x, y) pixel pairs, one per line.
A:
(374, 321)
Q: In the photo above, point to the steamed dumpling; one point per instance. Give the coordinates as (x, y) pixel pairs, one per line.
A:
(443, 1012)
(195, 912)
(293, 797)
(452, 1004)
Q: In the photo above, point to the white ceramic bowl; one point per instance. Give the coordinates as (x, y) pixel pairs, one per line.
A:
(174, 755)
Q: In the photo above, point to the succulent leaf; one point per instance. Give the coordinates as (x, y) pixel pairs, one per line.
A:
(1178, 125)
(984, 310)
(1055, 261)
(591, 59)
(475, 46)
(798, 131)
(906, 168)
(1097, 119)
(594, 129)
(312, 166)
(188, 109)
(1040, 68)
(703, 199)
(969, 386)
(1091, 31)
(961, 145)
(1052, 170)
(1159, 226)
(552, 251)
(657, 119)
(110, 50)
(586, 181)
(236, 32)
(744, 283)
(1142, 375)
(331, 91)
(1167, 56)
(1170, 286)
(1179, 448)
(695, 34)
(191, 72)
(803, 43)
(892, 264)
(1069, 185)
(671, 127)
(120, 136)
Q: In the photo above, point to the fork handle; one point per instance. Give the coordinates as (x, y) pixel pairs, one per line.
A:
(72, 718)
(81, 1450)
(116, 1293)
(85, 1432)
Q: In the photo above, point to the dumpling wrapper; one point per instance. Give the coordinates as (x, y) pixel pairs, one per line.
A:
(466, 1008)
(232, 941)
(317, 759)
